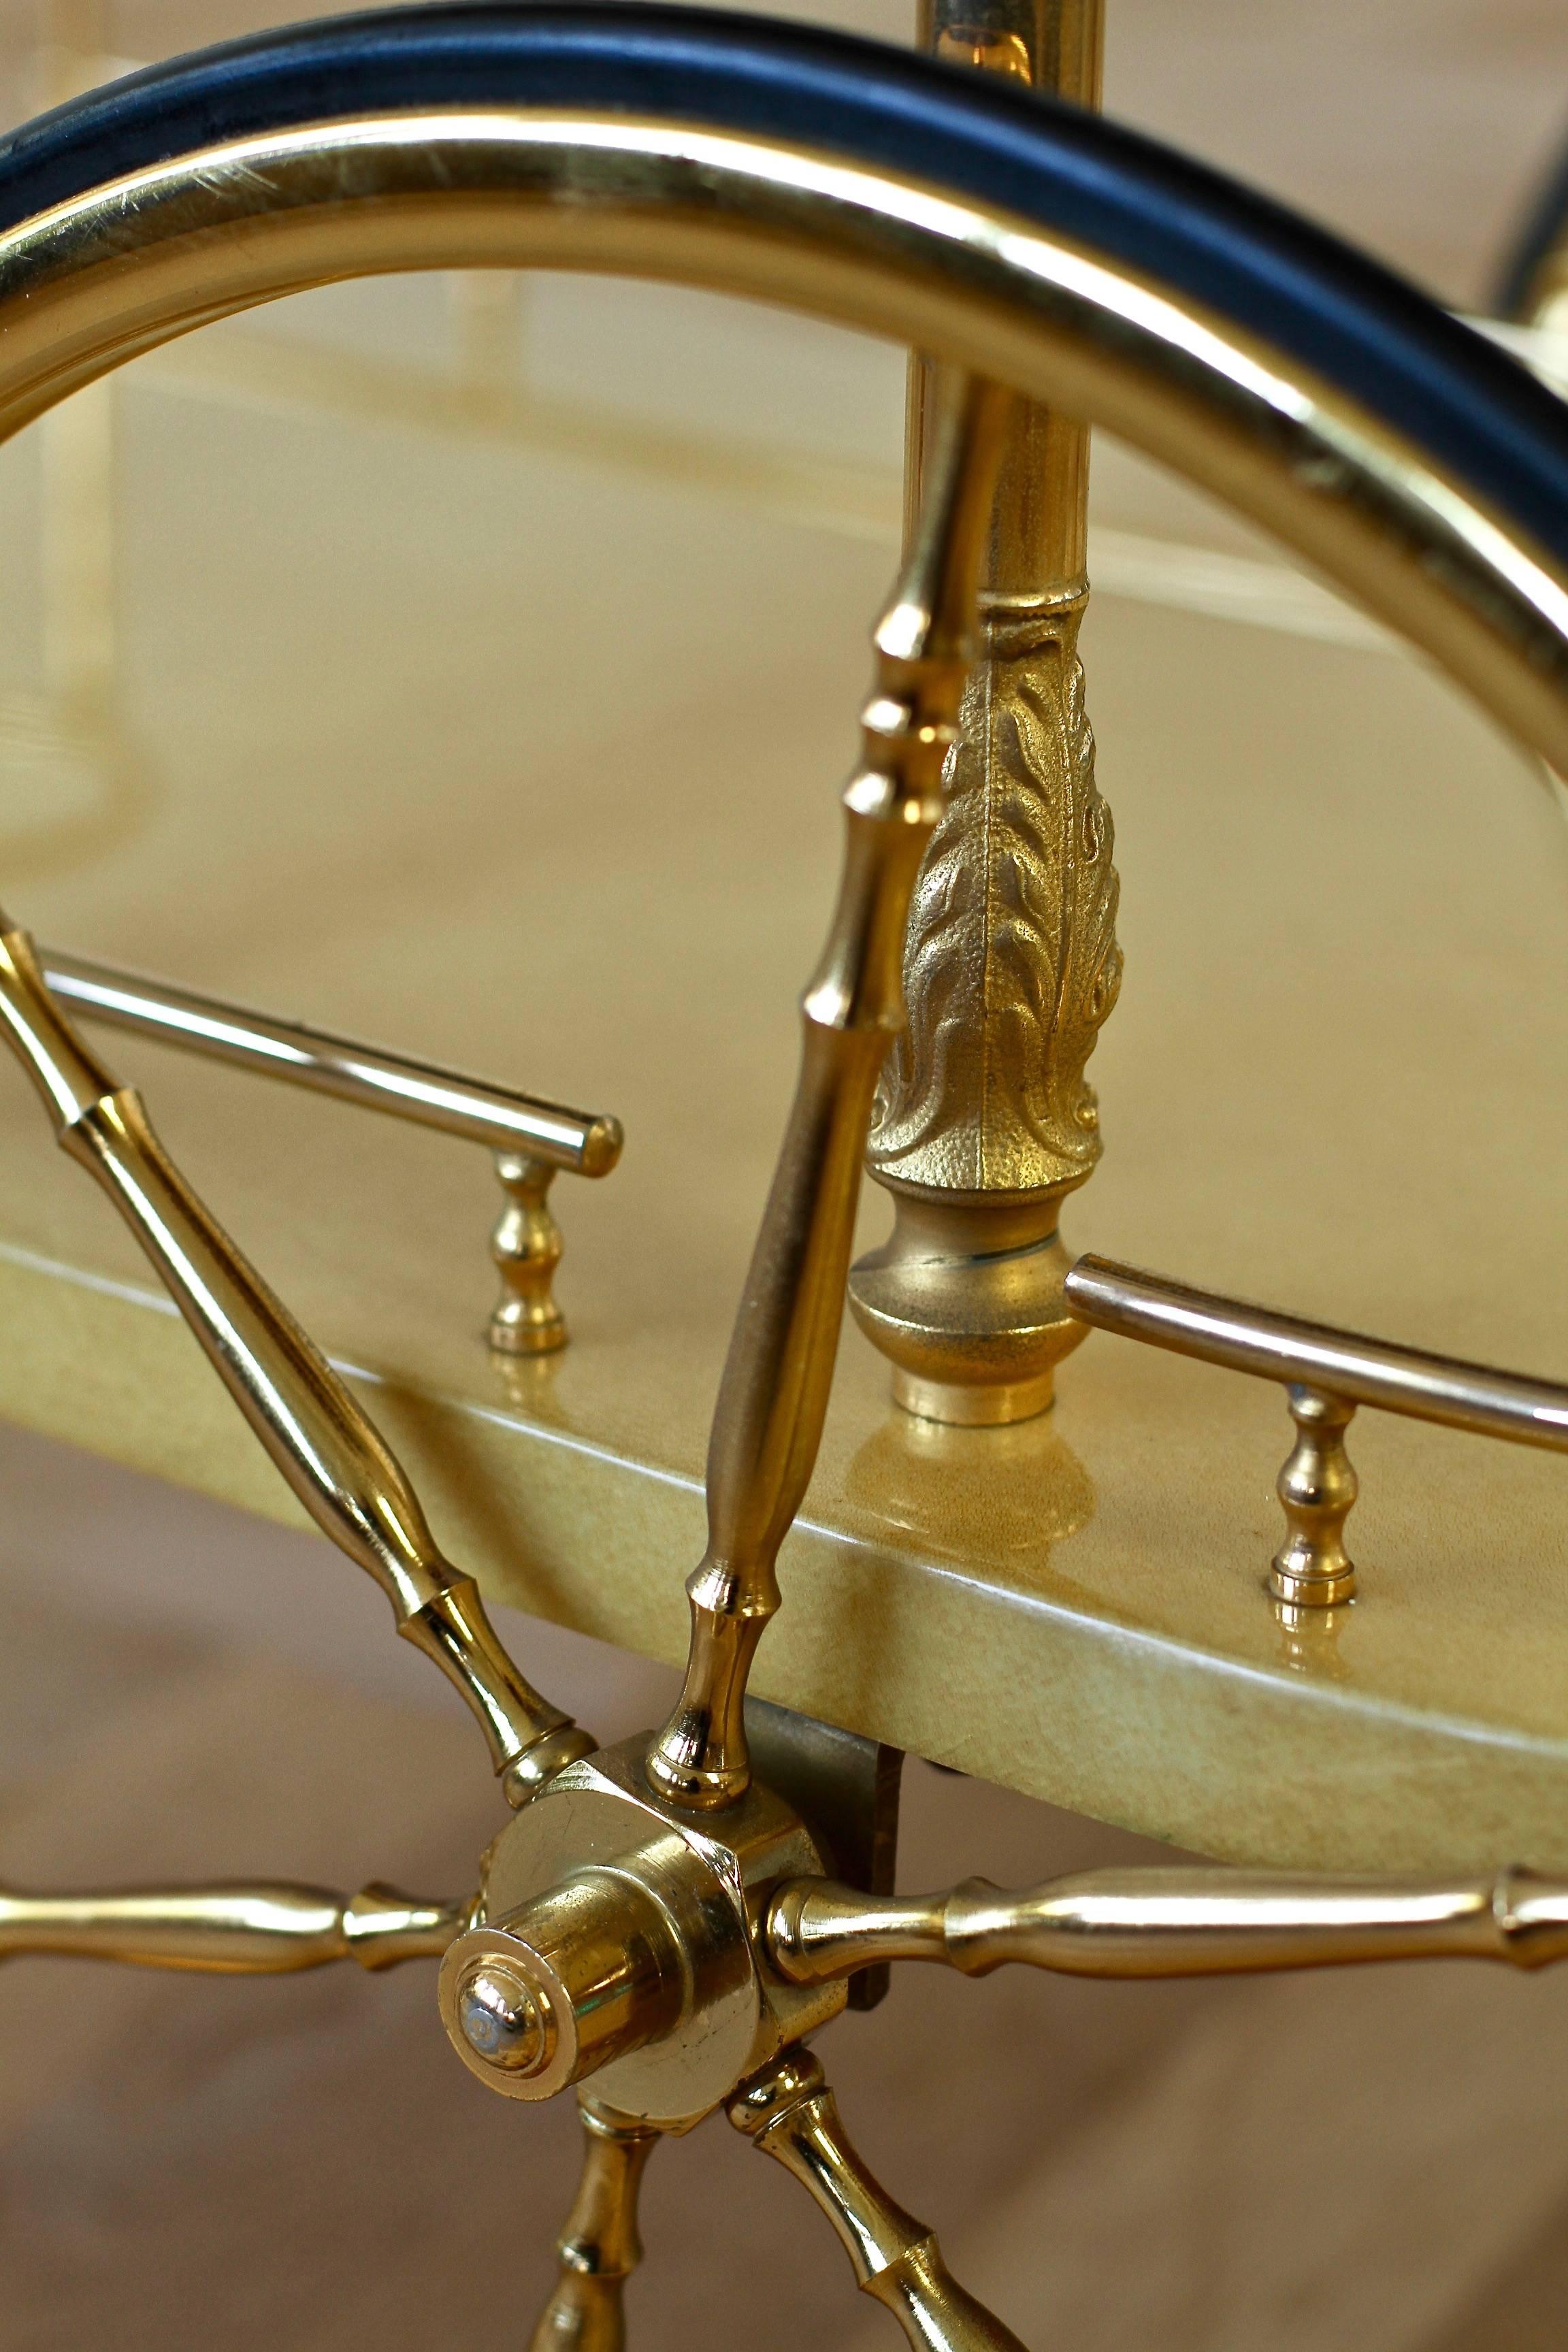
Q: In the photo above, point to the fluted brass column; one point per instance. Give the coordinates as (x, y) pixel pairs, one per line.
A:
(984, 1120)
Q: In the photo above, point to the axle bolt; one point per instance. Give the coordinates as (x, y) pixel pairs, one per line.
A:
(501, 2020)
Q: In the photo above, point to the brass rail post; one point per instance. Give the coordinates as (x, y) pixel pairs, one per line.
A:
(984, 1118)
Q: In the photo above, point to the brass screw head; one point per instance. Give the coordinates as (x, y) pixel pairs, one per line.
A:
(502, 2019)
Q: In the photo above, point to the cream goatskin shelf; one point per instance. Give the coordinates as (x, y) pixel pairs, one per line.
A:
(534, 769)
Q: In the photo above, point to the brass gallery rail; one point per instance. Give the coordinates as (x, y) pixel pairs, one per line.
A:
(585, 1142)
(531, 1140)
(1327, 1374)
(1247, 1339)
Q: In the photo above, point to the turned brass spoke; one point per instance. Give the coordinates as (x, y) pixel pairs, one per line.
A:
(774, 1397)
(790, 2113)
(322, 1442)
(1170, 1923)
(599, 2247)
(232, 1928)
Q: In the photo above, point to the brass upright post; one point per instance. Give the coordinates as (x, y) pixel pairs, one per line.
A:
(984, 1120)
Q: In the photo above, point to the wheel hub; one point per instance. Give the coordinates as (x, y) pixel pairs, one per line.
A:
(620, 1937)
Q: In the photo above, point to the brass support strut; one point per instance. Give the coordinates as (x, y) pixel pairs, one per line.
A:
(319, 1437)
(984, 1120)
(773, 1399)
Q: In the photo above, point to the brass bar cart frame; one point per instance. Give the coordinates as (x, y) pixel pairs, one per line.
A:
(655, 1922)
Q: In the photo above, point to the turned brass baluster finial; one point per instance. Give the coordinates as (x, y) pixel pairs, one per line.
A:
(326, 1447)
(526, 1247)
(1316, 1487)
(788, 2111)
(984, 1120)
(599, 2247)
(774, 1395)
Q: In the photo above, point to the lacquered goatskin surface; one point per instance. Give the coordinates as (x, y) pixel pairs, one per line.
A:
(1075, 1607)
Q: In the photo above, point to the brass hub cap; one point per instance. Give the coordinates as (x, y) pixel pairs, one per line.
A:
(620, 1939)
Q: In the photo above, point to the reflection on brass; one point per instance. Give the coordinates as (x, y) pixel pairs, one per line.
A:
(1309, 1639)
(599, 2248)
(530, 1139)
(1173, 1922)
(917, 1479)
(617, 1941)
(984, 1118)
(788, 2111)
(319, 1438)
(1317, 1488)
(768, 1422)
(971, 42)
(230, 1930)
(1328, 1373)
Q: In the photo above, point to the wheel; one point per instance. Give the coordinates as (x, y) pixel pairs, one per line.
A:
(661, 1928)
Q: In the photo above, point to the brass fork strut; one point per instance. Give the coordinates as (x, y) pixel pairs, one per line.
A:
(774, 1396)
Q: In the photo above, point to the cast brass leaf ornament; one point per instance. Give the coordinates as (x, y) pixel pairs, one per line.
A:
(1013, 962)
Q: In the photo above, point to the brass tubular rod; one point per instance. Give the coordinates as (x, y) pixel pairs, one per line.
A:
(599, 2247)
(587, 1143)
(325, 1447)
(1172, 1922)
(260, 1929)
(774, 1396)
(1403, 529)
(1343, 1364)
(788, 2112)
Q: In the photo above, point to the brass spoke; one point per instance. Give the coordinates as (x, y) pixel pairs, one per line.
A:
(320, 1439)
(1172, 1922)
(790, 2113)
(774, 1396)
(232, 1928)
(599, 2247)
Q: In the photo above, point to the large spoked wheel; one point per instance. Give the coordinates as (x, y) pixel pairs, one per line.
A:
(658, 1926)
